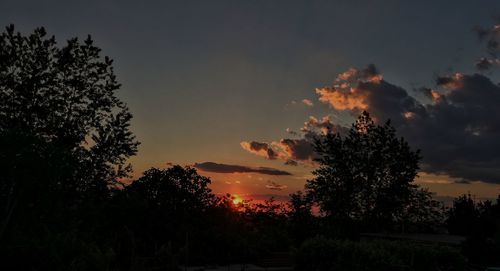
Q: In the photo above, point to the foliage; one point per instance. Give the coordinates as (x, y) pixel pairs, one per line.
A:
(175, 189)
(65, 96)
(327, 254)
(480, 222)
(64, 138)
(302, 223)
(366, 175)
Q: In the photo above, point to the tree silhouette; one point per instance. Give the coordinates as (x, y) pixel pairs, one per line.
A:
(366, 175)
(301, 218)
(463, 216)
(480, 222)
(64, 139)
(65, 96)
(175, 189)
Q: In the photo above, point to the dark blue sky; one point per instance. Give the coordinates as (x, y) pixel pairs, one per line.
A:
(201, 76)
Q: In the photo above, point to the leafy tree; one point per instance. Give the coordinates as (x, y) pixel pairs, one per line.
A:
(366, 175)
(422, 213)
(165, 208)
(480, 223)
(66, 96)
(301, 219)
(463, 216)
(64, 139)
(175, 189)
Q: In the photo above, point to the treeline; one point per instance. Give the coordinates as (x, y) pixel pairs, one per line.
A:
(170, 217)
(64, 145)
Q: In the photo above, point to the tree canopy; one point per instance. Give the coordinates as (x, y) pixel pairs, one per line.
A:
(64, 134)
(367, 174)
(65, 95)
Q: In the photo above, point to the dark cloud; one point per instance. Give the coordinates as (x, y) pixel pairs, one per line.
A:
(491, 38)
(289, 150)
(457, 130)
(314, 127)
(260, 148)
(291, 162)
(297, 149)
(484, 64)
(275, 186)
(357, 90)
(457, 127)
(224, 168)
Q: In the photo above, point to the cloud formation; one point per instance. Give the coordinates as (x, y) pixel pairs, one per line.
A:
(358, 90)
(456, 126)
(458, 131)
(224, 168)
(275, 186)
(297, 150)
(307, 102)
(260, 148)
(290, 150)
(491, 38)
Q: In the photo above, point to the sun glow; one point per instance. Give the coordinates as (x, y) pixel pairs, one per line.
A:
(237, 200)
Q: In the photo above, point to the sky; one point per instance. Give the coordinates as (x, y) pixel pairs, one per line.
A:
(216, 84)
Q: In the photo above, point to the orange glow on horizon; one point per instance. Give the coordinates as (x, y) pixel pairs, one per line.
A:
(237, 200)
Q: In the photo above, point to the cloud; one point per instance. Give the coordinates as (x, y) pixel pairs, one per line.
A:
(456, 125)
(315, 126)
(291, 162)
(259, 148)
(292, 151)
(224, 168)
(297, 149)
(491, 38)
(275, 186)
(366, 90)
(457, 129)
(307, 102)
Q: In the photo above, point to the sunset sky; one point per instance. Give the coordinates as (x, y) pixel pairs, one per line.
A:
(230, 86)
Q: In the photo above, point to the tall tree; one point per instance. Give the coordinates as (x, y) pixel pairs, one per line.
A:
(365, 175)
(65, 96)
(64, 134)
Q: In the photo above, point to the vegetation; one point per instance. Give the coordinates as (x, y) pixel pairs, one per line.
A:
(326, 254)
(367, 176)
(64, 143)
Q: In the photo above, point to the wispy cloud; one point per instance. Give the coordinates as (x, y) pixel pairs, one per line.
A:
(225, 168)
(275, 186)
(307, 102)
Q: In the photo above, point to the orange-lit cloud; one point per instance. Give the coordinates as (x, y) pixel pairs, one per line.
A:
(260, 149)
(343, 99)
(307, 102)
(435, 95)
(451, 82)
(409, 115)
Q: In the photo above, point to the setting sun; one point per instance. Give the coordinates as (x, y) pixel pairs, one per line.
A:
(237, 199)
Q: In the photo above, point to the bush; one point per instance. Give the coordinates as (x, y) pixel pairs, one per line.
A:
(326, 254)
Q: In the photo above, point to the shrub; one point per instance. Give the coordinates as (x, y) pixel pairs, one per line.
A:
(326, 254)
